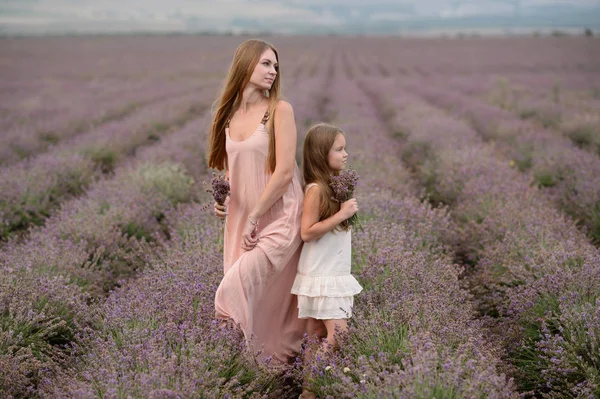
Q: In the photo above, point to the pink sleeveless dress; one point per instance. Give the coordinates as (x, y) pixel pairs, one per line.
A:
(255, 290)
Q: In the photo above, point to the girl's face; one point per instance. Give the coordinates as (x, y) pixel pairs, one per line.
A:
(265, 71)
(337, 157)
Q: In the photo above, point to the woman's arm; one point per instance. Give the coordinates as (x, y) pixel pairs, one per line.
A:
(310, 228)
(285, 151)
(285, 154)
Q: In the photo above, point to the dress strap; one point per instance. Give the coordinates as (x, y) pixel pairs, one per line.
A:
(265, 117)
(308, 186)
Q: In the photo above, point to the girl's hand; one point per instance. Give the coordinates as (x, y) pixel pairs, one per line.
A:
(220, 211)
(249, 236)
(349, 208)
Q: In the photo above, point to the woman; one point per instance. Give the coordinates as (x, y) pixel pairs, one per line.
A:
(254, 139)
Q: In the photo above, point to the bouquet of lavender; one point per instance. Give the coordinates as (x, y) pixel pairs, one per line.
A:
(219, 188)
(343, 189)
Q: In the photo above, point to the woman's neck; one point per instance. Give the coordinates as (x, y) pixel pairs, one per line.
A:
(251, 97)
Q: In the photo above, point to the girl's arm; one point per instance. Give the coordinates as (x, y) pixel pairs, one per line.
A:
(311, 228)
(285, 154)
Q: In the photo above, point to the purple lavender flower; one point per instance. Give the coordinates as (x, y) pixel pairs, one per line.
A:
(219, 188)
(343, 190)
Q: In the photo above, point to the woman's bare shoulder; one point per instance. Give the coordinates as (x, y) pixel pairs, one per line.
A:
(284, 107)
(284, 117)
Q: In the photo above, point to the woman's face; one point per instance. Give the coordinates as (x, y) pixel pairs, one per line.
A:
(265, 71)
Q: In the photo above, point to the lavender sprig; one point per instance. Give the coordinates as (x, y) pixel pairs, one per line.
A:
(343, 189)
(219, 188)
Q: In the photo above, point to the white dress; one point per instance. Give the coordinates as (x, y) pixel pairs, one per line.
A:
(323, 284)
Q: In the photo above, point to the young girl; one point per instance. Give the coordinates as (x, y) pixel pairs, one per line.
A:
(323, 284)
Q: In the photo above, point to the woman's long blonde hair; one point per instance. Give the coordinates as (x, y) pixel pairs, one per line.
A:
(244, 61)
(315, 166)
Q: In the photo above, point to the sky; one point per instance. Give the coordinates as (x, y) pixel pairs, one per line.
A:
(293, 16)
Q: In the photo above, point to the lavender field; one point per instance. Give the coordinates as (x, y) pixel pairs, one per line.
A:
(480, 200)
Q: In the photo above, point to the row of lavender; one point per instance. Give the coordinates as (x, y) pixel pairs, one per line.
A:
(530, 268)
(39, 127)
(413, 332)
(32, 189)
(568, 175)
(557, 107)
(574, 114)
(52, 278)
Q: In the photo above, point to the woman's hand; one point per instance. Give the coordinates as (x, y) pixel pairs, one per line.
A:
(249, 236)
(220, 211)
(349, 208)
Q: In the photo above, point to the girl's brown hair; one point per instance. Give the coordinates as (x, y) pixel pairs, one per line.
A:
(315, 166)
(244, 61)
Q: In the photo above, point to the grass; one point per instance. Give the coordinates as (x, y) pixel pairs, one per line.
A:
(391, 340)
(104, 157)
(594, 231)
(526, 357)
(544, 179)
